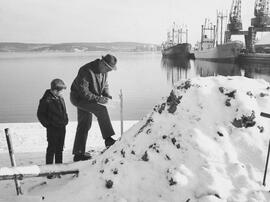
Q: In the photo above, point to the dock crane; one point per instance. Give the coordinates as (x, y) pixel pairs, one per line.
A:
(261, 13)
(235, 17)
(235, 22)
(260, 23)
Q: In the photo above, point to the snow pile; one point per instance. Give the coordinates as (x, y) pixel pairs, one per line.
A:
(206, 142)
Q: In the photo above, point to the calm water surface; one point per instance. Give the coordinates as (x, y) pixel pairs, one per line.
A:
(143, 77)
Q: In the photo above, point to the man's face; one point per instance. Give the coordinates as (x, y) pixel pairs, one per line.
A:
(104, 67)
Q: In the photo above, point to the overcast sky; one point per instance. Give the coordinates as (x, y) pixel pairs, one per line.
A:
(54, 21)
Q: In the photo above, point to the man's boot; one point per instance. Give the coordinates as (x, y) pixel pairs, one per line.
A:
(109, 142)
(81, 157)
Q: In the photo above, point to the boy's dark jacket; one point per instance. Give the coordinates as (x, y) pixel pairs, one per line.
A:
(52, 110)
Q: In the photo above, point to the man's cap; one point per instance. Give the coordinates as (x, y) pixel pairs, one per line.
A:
(110, 61)
(58, 84)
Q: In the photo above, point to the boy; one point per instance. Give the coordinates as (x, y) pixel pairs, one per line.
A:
(53, 116)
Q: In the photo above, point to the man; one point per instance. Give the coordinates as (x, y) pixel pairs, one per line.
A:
(89, 91)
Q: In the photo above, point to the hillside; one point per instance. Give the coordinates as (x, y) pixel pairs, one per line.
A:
(76, 47)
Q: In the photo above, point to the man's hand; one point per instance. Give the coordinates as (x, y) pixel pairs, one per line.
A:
(103, 100)
(109, 96)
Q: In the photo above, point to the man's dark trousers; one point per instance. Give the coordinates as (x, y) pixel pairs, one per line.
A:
(56, 139)
(85, 110)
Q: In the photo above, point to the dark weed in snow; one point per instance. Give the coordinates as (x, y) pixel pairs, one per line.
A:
(115, 171)
(123, 153)
(172, 102)
(221, 89)
(172, 182)
(220, 134)
(148, 131)
(231, 94)
(173, 140)
(263, 94)
(109, 184)
(147, 123)
(186, 85)
(261, 129)
(249, 93)
(228, 103)
(145, 157)
(167, 157)
(245, 121)
(160, 108)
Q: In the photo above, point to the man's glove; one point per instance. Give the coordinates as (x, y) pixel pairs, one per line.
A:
(102, 100)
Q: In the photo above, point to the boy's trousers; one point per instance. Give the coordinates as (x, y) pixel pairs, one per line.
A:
(56, 139)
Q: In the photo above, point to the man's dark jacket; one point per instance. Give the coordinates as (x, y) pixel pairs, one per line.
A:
(52, 110)
(89, 84)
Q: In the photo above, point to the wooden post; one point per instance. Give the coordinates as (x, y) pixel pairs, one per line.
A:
(266, 165)
(121, 112)
(267, 158)
(23, 172)
(12, 159)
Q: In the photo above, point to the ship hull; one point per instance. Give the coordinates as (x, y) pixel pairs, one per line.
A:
(228, 52)
(254, 58)
(178, 51)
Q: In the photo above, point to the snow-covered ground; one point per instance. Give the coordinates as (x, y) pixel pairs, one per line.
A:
(205, 142)
(31, 137)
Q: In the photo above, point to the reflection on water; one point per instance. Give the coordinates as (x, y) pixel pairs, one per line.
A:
(176, 69)
(257, 71)
(185, 69)
(206, 68)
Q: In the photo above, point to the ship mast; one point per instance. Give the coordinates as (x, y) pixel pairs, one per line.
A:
(217, 30)
(186, 35)
(209, 27)
(180, 34)
(222, 17)
(173, 30)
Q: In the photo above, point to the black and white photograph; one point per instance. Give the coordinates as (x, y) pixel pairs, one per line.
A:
(134, 101)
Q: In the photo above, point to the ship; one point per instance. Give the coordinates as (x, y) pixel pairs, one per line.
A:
(228, 52)
(209, 48)
(216, 47)
(174, 47)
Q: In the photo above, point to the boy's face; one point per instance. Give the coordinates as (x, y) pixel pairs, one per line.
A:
(58, 93)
